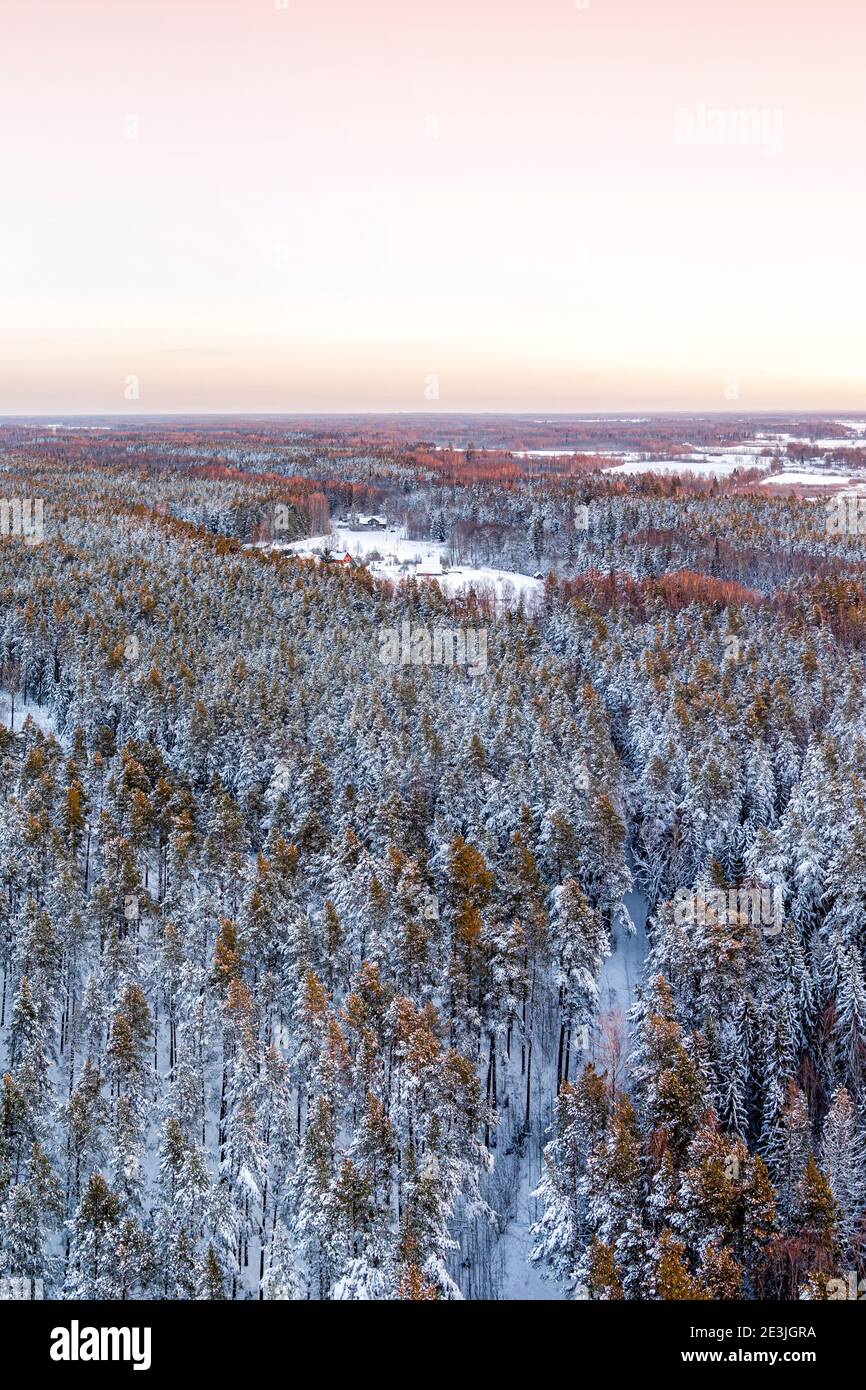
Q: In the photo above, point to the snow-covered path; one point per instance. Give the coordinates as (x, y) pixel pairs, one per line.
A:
(624, 966)
(521, 1280)
(620, 974)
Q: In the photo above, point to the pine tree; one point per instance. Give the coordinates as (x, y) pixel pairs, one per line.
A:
(843, 1162)
(671, 1279)
(817, 1211)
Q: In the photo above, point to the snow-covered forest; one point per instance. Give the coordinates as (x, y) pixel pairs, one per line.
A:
(326, 976)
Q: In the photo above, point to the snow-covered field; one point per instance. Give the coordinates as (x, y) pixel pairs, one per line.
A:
(719, 462)
(557, 453)
(703, 465)
(812, 477)
(388, 554)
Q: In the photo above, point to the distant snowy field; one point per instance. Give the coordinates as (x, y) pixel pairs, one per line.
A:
(703, 465)
(813, 477)
(720, 462)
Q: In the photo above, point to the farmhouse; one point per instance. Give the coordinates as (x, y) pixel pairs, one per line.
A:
(362, 522)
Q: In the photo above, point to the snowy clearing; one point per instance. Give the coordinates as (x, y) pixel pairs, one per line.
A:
(24, 710)
(388, 554)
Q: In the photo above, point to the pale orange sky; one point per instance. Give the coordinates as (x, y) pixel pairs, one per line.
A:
(227, 205)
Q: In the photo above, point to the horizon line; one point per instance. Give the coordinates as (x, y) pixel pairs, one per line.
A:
(625, 415)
